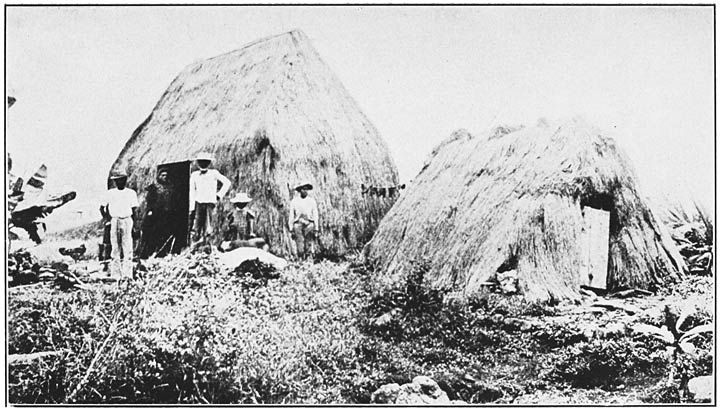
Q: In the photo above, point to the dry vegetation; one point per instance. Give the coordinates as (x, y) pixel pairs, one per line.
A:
(514, 199)
(273, 114)
(312, 334)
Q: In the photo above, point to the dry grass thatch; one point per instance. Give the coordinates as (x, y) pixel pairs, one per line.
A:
(516, 198)
(273, 114)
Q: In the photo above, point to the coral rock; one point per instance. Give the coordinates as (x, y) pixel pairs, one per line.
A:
(422, 390)
(702, 389)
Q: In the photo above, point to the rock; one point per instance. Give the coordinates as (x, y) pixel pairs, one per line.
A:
(508, 282)
(46, 276)
(47, 254)
(519, 324)
(617, 305)
(612, 330)
(386, 394)
(702, 389)
(588, 293)
(386, 318)
(422, 390)
(27, 358)
(233, 259)
(428, 386)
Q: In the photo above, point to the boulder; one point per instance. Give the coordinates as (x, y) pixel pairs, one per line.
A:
(386, 394)
(508, 282)
(702, 389)
(47, 253)
(387, 317)
(233, 259)
(422, 390)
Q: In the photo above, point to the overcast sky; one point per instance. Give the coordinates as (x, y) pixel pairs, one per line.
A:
(85, 78)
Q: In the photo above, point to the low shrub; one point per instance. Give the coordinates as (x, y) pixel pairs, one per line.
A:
(605, 363)
(510, 305)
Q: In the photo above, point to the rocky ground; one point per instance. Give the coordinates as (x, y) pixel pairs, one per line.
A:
(194, 331)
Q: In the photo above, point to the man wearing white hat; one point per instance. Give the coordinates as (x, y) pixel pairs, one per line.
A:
(204, 194)
(241, 222)
(304, 219)
(120, 204)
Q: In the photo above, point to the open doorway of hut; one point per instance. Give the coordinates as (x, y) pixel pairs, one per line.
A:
(168, 231)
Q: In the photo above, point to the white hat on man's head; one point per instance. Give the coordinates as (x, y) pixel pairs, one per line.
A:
(204, 155)
(240, 198)
(118, 174)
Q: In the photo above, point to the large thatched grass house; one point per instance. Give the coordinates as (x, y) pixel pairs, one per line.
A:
(273, 114)
(554, 204)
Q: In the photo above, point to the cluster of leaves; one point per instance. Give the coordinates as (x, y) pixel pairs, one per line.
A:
(413, 311)
(22, 268)
(510, 305)
(693, 231)
(558, 335)
(686, 337)
(446, 338)
(604, 363)
(670, 352)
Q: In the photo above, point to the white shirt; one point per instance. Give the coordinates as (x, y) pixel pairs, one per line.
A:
(304, 208)
(203, 187)
(121, 202)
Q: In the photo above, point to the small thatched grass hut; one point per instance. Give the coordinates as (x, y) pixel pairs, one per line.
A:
(516, 200)
(273, 114)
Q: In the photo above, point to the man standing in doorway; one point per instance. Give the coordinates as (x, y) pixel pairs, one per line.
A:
(304, 220)
(121, 204)
(204, 195)
(157, 227)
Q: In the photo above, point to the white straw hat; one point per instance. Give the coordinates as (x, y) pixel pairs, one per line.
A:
(118, 174)
(240, 198)
(204, 155)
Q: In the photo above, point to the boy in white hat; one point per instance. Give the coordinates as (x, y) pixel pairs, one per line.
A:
(204, 195)
(121, 204)
(241, 221)
(304, 219)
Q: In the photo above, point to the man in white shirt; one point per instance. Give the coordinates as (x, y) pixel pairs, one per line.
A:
(304, 219)
(121, 204)
(204, 194)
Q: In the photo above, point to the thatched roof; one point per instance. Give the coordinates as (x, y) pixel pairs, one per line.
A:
(273, 114)
(516, 197)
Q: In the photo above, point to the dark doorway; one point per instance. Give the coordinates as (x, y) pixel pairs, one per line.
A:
(165, 230)
(179, 174)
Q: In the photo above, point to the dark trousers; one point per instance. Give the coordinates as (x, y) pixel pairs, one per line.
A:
(203, 224)
(304, 232)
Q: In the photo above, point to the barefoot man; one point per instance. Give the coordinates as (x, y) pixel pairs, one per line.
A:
(121, 204)
(304, 220)
(204, 194)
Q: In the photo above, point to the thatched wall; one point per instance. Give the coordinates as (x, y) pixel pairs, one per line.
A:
(515, 198)
(273, 114)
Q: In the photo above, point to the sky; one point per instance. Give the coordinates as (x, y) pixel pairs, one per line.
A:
(86, 77)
